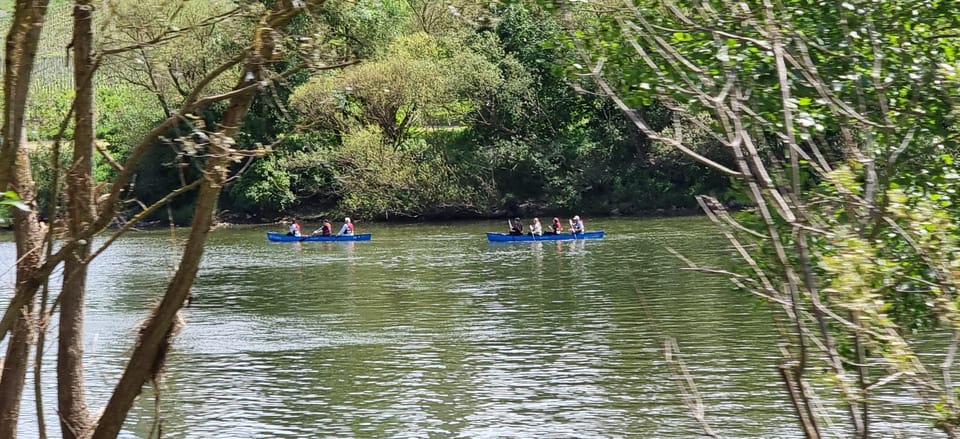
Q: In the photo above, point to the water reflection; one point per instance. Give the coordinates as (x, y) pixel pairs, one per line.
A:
(445, 335)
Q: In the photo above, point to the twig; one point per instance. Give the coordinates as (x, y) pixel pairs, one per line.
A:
(688, 387)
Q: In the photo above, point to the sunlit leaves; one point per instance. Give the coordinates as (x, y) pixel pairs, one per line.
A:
(865, 93)
(419, 76)
(10, 198)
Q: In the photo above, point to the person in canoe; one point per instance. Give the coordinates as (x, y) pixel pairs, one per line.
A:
(516, 227)
(576, 225)
(325, 230)
(556, 228)
(294, 228)
(347, 229)
(536, 229)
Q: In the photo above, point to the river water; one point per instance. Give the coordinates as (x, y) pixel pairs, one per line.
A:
(430, 331)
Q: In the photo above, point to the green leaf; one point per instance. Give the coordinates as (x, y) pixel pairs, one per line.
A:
(10, 198)
(15, 203)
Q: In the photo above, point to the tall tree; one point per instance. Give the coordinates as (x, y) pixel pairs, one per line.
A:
(21, 50)
(74, 416)
(818, 112)
(151, 348)
(85, 221)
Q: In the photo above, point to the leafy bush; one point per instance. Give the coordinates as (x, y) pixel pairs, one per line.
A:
(264, 187)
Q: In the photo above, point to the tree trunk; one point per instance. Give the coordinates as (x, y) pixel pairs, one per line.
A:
(150, 350)
(29, 237)
(74, 416)
(14, 372)
(21, 50)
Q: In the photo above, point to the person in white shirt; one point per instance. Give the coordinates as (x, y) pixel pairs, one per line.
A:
(347, 228)
(536, 229)
(294, 228)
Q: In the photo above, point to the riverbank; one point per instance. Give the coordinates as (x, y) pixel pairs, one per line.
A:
(228, 219)
(312, 216)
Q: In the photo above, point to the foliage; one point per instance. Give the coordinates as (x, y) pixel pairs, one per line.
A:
(208, 154)
(842, 136)
(420, 78)
(379, 180)
(486, 90)
(10, 198)
(169, 71)
(363, 28)
(266, 187)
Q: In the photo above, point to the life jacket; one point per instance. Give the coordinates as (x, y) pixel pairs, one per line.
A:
(350, 227)
(326, 229)
(557, 227)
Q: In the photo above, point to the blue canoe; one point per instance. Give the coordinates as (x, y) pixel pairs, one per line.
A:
(283, 237)
(506, 237)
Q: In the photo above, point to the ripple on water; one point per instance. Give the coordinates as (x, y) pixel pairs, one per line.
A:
(446, 336)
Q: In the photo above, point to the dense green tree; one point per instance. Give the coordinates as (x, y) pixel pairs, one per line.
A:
(559, 145)
(490, 91)
(419, 79)
(841, 134)
(380, 120)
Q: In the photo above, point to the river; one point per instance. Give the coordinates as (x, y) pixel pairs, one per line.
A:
(430, 331)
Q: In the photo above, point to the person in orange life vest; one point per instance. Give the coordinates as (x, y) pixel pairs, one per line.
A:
(325, 230)
(576, 225)
(516, 227)
(556, 227)
(347, 228)
(294, 228)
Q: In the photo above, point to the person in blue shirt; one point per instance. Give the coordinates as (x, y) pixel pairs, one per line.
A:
(576, 225)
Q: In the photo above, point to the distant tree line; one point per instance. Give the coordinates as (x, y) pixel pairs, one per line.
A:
(450, 110)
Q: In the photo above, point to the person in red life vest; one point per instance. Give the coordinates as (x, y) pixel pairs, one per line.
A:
(347, 229)
(556, 227)
(325, 230)
(294, 228)
(576, 225)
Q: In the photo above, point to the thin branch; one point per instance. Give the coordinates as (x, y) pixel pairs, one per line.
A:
(640, 123)
(139, 216)
(688, 387)
(172, 33)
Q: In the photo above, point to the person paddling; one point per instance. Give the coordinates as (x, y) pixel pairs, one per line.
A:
(347, 229)
(576, 225)
(294, 228)
(516, 227)
(536, 229)
(556, 227)
(325, 230)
